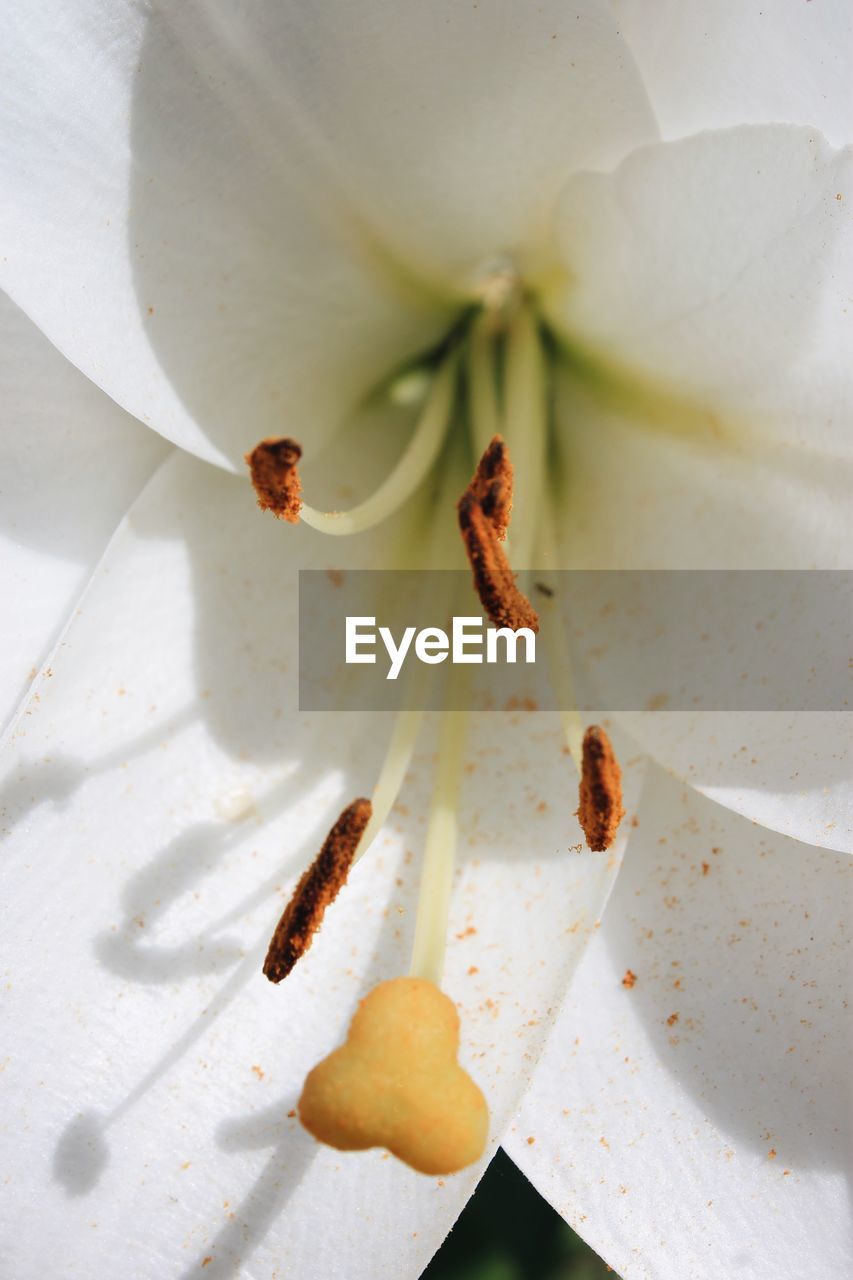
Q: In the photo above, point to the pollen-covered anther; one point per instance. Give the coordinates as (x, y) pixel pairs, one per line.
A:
(601, 808)
(396, 1083)
(492, 485)
(317, 889)
(484, 513)
(272, 465)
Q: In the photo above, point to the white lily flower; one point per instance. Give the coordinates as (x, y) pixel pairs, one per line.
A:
(237, 224)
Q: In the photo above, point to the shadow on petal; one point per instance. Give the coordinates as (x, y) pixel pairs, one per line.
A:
(738, 940)
(81, 1155)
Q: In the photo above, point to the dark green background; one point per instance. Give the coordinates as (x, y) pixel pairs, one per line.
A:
(508, 1232)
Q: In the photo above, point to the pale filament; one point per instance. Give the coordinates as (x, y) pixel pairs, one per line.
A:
(525, 431)
(439, 852)
(519, 414)
(394, 769)
(522, 422)
(417, 461)
(485, 418)
(556, 644)
(408, 721)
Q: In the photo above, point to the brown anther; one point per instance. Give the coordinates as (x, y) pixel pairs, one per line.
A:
(484, 511)
(317, 889)
(492, 485)
(601, 809)
(272, 465)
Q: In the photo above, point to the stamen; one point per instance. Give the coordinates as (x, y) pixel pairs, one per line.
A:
(317, 889)
(272, 464)
(484, 512)
(601, 809)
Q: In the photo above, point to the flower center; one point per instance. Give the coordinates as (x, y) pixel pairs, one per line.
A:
(493, 375)
(498, 286)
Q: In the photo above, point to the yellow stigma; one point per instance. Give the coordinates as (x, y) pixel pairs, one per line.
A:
(396, 1083)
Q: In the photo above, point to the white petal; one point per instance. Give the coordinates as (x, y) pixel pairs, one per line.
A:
(750, 318)
(72, 462)
(718, 270)
(717, 1142)
(788, 772)
(743, 62)
(160, 799)
(454, 126)
(638, 496)
(646, 501)
(171, 241)
(237, 220)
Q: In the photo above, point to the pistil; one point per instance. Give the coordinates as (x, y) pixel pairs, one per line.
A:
(439, 852)
(375, 1090)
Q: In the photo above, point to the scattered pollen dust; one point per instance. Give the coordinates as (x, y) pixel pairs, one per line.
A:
(629, 979)
(258, 1071)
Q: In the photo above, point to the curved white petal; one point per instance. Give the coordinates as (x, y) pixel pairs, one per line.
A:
(237, 219)
(698, 1123)
(788, 772)
(752, 468)
(642, 500)
(714, 274)
(72, 463)
(636, 494)
(159, 800)
(744, 61)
